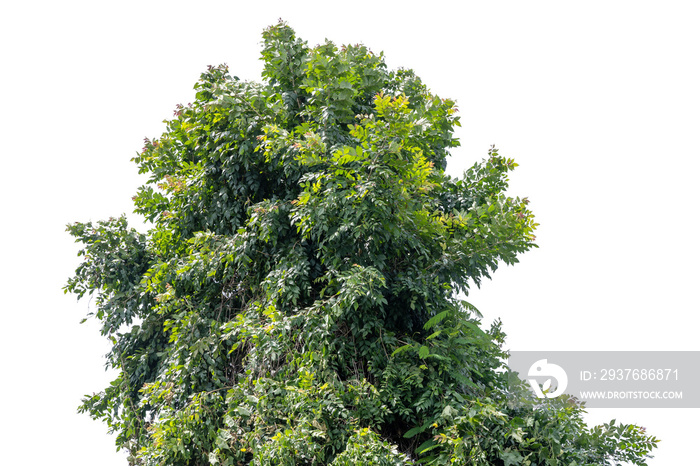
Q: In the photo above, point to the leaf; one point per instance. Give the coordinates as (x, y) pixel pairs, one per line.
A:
(436, 319)
(401, 349)
(423, 352)
(426, 446)
(416, 430)
(511, 458)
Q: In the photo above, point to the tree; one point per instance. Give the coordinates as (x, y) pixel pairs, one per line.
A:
(296, 298)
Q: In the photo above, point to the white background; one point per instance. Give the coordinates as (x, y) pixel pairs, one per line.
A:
(598, 102)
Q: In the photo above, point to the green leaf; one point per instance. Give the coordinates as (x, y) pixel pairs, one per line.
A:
(436, 319)
(423, 352)
(401, 349)
(416, 430)
(426, 446)
(511, 458)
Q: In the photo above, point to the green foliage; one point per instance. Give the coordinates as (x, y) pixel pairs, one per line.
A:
(294, 300)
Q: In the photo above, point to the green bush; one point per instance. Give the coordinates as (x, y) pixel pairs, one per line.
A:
(294, 299)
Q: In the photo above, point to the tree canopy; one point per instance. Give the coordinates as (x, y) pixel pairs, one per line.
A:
(296, 298)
